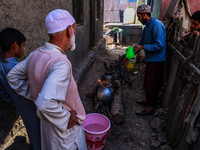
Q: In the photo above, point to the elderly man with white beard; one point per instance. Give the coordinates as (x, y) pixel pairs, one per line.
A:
(45, 77)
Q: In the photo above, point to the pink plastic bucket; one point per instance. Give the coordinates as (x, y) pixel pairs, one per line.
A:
(97, 127)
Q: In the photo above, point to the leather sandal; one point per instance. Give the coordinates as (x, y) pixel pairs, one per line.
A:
(142, 102)
(144, 112)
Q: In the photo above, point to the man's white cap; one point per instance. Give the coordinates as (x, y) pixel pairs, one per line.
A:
(58, 20)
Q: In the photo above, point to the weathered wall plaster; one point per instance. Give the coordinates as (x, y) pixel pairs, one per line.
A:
(28, 16)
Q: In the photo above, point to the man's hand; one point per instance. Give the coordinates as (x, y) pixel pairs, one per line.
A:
(138, 48)
(72, 120)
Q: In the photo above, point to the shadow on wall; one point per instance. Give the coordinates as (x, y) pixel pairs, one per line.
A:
(121, 15)
(8, 115)
(20, 144)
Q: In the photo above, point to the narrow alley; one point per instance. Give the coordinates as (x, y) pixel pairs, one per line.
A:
(135, 132)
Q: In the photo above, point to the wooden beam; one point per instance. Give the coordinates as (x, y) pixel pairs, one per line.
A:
(182, 59)
(173, 72)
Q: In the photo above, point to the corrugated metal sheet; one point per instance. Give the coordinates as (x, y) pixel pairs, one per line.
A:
(111, 5)
(124, 6)
(111, 16)
(113, 9)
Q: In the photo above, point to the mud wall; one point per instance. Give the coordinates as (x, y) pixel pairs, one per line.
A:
(28, 16)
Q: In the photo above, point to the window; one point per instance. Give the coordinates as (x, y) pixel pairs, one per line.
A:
(78, 11)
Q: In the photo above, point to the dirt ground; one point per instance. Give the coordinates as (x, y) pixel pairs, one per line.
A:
(135, 133)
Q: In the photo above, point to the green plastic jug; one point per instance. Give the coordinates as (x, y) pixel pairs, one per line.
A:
(130, 52)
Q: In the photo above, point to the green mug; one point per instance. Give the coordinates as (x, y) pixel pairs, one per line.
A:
(130, 52)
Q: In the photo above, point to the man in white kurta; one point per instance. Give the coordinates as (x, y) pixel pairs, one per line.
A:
(60, 118)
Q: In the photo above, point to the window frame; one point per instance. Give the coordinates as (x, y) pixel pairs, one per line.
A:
(78, 13)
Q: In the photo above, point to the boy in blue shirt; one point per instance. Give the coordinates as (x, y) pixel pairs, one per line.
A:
(12, 44)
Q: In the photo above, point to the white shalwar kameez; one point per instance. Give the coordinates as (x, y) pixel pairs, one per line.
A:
(54, 118)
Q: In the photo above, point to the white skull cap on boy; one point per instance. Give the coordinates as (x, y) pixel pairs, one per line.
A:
(58, 20)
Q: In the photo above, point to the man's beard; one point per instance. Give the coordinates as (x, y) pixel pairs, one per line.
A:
(144, 21)
(72, 42)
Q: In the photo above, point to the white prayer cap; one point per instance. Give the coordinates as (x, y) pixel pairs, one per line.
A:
(58, 20)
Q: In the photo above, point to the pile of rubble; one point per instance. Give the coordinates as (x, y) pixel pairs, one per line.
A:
(158, 124)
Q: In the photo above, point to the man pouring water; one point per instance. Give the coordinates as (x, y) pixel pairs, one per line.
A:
(153, 41)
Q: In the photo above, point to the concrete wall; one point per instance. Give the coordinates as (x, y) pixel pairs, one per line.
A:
(99, 24)
(28, 16)
(131, 32)
(156, 9)
(82, 37)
